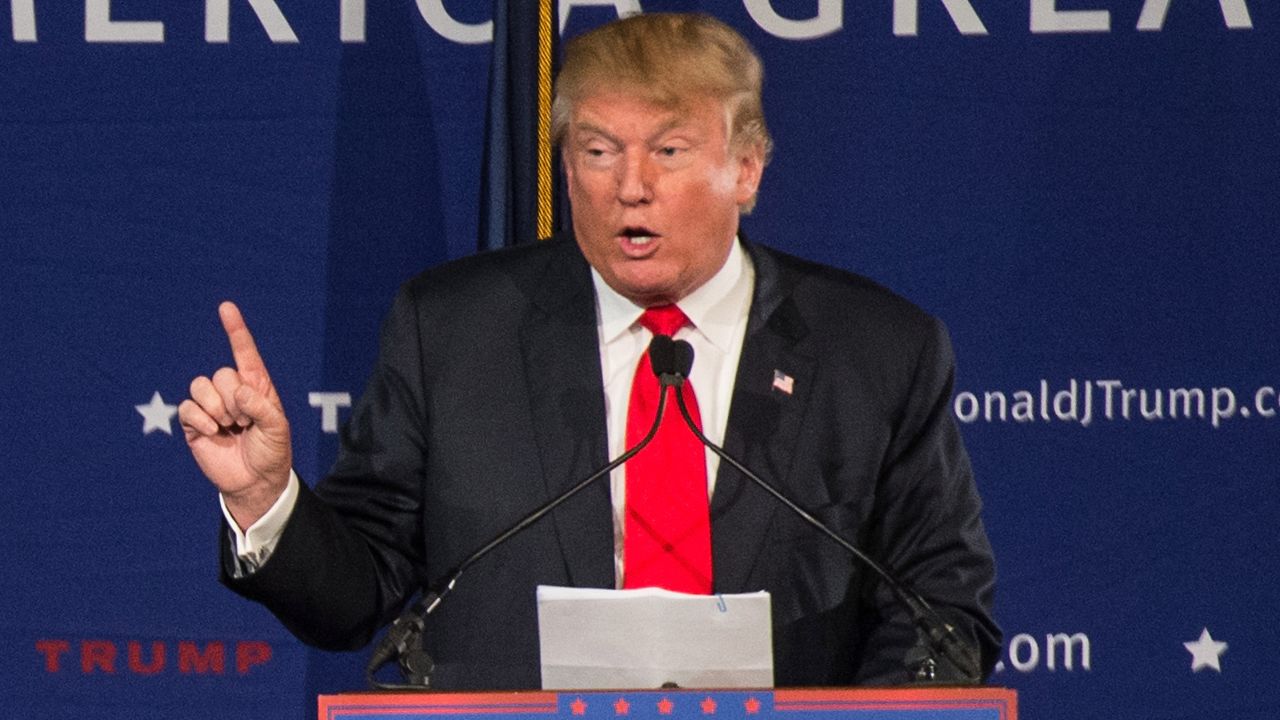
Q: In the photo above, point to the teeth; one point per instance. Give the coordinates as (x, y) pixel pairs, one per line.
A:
(640, 239)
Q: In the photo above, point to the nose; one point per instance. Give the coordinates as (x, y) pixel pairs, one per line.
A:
(635, 181)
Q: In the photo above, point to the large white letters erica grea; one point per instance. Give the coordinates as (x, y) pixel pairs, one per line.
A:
(1044, 17)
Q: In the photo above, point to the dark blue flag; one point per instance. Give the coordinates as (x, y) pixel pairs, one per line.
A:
(518, 201)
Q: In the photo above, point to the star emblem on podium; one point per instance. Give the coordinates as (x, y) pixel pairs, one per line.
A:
(578, 706)
(751, 705)
(665, 706)
(708, 706)
(621, 707)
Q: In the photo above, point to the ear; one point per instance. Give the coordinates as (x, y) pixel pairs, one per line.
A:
(565, 164)
(750, 159)
(570, 187)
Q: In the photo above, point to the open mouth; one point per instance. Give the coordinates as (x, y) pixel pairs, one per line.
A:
(638, 236)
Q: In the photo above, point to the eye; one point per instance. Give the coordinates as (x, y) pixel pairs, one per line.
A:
(596, 146)
(597, 154)
(669, 151)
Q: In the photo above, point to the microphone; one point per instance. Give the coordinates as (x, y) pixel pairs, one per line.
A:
(403, 641)
(662, 358)
(936, 631)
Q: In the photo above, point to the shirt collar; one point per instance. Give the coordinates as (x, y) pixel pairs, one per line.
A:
(713, 308)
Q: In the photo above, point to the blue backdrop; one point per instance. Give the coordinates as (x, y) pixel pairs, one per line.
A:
(1086, 191)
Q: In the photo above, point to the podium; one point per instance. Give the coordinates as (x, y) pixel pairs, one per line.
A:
(981, 703)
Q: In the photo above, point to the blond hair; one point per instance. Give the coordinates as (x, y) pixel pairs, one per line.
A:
(666, 58)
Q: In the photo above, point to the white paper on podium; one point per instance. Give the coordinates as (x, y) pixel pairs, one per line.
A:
(595, 639)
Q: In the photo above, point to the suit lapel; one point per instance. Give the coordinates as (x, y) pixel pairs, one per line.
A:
(764, 422)
(562, 370)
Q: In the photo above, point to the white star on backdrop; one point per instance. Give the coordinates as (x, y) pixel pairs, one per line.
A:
(157, 415)
(1205, 652)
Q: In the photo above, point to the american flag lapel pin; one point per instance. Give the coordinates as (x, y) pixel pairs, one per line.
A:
(783, 382)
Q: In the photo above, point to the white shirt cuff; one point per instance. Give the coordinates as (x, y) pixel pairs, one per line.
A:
(254, 545)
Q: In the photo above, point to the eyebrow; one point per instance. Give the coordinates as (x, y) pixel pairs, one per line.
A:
(673, 123)
(595, 129)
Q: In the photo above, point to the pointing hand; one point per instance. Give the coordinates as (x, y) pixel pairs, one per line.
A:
(236, 428)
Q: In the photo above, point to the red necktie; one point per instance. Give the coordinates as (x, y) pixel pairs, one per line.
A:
(668, 525)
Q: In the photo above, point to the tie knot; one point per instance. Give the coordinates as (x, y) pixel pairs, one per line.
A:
(663, 319)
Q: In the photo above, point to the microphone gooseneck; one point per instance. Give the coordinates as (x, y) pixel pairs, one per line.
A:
(404, 639)
(940, 634)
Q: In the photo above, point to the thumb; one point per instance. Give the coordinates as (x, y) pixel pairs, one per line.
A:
(267, 415)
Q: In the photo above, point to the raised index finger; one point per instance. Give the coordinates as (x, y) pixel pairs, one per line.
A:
(243, 349)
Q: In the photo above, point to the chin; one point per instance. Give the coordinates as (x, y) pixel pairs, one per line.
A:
(645, 296)
(644, 291)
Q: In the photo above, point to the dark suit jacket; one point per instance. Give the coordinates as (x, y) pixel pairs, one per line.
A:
(486, 401)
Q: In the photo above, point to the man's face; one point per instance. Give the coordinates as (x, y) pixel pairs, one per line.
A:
(655, 192)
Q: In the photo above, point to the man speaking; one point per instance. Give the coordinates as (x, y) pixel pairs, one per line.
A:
(507, 377)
